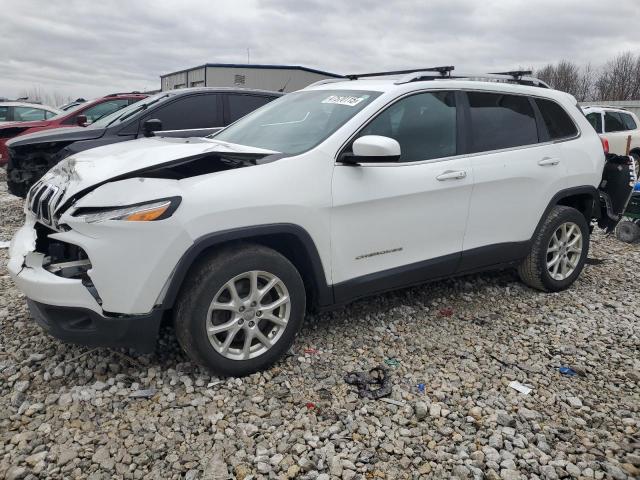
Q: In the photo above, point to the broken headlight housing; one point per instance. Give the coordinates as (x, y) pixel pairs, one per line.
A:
(139, 212)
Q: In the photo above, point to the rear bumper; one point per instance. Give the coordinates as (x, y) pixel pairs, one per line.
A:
(86, 327)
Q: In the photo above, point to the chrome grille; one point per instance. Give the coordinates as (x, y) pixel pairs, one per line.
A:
(42, 201)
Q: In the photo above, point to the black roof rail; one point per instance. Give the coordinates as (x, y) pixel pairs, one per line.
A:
(444, 72)
(516, 74)
(122, 93)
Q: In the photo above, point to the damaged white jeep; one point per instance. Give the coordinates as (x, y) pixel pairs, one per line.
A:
(341, 190)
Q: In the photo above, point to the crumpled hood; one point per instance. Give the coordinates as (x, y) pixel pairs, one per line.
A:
(92, 167)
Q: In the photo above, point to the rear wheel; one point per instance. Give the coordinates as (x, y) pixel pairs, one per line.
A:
(240, 309)
(558, 252)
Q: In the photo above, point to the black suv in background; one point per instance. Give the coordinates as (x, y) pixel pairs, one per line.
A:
(189, 112)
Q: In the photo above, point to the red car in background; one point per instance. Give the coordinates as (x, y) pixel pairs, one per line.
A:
(83, 114)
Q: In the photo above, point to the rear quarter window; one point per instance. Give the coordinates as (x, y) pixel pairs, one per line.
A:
(557, 121)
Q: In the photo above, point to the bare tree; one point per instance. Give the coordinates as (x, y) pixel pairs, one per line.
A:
(569, 77)
(37, 94)
(619, 78)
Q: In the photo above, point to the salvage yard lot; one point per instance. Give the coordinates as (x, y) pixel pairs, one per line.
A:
(66, 411)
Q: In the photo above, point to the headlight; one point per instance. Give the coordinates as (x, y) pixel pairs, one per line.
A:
(140, 212)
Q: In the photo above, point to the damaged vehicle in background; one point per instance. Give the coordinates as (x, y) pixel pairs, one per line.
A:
(199, 110)
(341, 190)
(79, 115)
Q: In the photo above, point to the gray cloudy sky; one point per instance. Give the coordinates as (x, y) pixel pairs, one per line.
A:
(90, 48)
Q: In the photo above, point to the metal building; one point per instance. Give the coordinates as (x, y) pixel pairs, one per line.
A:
(285, 78)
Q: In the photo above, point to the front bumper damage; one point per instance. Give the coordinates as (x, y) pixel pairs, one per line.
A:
(66, 308)
(97, 284)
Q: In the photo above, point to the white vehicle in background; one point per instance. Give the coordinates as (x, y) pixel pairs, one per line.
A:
(25, 112)
(615, 125)
(338, 191)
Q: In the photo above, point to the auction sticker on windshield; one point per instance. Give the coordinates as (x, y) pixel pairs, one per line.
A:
(348, 100)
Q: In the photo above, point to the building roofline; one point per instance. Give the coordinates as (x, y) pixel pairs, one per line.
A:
(256, 66)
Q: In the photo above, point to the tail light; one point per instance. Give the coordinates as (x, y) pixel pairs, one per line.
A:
(605, 144)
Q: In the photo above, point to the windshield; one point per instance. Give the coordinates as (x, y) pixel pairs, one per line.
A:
(124, 113)
(298, 121)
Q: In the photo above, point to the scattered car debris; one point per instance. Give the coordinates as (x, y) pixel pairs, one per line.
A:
(523, 389)
(567, 371)
(446, 312)
(4, 244)
(421, 388)
(399, 403)
(377, 377)
(148, 393)
(310, 351)
(392, 362)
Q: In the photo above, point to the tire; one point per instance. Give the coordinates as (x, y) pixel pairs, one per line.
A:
(534, 270)
(628, 231)
(211, 279)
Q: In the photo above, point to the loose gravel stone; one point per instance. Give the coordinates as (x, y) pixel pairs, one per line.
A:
(67, 410)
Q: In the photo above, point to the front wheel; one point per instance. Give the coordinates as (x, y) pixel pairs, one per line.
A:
(558, 251)
(240, 309)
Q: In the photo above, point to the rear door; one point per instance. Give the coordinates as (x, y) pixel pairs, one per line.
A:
(516, 171)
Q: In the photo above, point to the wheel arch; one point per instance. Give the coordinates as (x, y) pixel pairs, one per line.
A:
(292, 241)
(584, 198)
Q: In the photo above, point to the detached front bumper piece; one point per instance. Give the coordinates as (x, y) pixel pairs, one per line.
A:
(86, 327)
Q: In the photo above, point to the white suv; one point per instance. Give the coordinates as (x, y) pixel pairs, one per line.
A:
(338, 191)
(615, 125)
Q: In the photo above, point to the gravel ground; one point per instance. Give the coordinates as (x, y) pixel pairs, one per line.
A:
(67, 411)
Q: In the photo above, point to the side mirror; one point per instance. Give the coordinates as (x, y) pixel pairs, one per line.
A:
(149, 127)
(82, 120)
(373, 148)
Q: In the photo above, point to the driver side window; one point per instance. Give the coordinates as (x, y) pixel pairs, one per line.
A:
(424, 125)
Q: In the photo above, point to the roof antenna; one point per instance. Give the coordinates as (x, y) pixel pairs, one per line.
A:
(285, 85)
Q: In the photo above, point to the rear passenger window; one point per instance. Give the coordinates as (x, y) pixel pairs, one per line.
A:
(240, 105)
(558, 122)
(613, 122)
(423, 124)
(628, 121)
(500, 121)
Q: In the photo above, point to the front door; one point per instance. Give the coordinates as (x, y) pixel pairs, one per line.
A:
(395, 224)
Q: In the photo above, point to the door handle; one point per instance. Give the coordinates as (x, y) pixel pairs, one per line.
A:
(452, 175)
(548, 161)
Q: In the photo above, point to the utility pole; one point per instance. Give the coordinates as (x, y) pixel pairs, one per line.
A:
(248, 55)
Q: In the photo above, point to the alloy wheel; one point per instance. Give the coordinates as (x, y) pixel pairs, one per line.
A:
(248, 315)
(564, 251)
